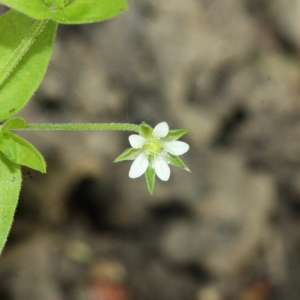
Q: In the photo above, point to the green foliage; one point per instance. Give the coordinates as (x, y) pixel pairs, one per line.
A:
(14, 152)
(27, 34)
(13, 123)
(10, 186)
(69, 11)
(21, 152)
(25, 50)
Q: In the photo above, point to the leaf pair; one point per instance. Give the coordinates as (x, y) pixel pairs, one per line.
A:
(14, 152)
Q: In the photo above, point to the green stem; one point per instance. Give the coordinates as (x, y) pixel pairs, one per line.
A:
(83, 126)
(35, 30)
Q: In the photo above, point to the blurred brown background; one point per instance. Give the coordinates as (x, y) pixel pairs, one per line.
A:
(230, 71)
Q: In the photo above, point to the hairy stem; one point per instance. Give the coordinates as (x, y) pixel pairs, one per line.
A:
(83, 126)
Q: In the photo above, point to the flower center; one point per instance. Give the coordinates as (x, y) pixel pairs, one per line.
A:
(153, 146)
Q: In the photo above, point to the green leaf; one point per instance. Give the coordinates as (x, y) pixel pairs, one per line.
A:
(25, 46)
(32, 8)
(10, 186)
(128, 154)
(13, 123)
(21, 152)
(69, 11)
(150, 179)
(87, 11)
(145, 130)
(176, 161)
(175, 134)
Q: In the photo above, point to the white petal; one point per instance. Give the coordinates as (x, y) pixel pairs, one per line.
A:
(139, 166)
(161, 130)
(176, 147)
(136, 141)
(161, 168)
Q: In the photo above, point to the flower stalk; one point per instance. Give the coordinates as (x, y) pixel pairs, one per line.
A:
(152, 149)
(82, 126)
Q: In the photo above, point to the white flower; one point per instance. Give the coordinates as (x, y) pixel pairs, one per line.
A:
(153, 150)
(156, 151)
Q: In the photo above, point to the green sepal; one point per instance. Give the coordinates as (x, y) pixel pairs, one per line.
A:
(145, 130)
(69, 11)
(150, 179)
(175, 134)
(10, 186)
(21, 152)
(176, 161)
(128, 154)
(13, 123)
